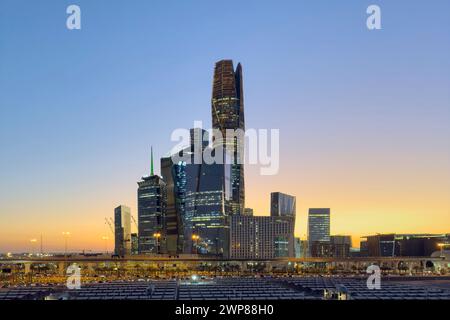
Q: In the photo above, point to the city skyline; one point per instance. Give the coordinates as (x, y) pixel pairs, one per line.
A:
(374, 151)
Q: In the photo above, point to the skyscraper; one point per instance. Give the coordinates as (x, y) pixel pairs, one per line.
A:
(227, 107)
(205, 209)
(151, 213)
(178, 225)
(174, 213)
(282, 205)
(196, 196)
(319, 232)
(122, 231)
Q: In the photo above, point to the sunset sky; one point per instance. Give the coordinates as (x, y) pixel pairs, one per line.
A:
(364, 116)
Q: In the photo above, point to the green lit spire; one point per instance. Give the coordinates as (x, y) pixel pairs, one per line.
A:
(151, 166)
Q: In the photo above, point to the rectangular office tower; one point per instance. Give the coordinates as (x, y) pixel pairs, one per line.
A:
(319, 232)
(282, 205)
(227, 106)
(122, 231)
(261, 237)
(175, 178)
(205, 210)
(151, 213)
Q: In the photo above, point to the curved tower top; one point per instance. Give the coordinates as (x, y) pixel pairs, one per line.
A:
(227, 106)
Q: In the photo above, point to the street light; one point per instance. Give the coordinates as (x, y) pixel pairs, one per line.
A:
(442, 246)
(157, 235)
(66, 235)
(196, 237)
(33, 241)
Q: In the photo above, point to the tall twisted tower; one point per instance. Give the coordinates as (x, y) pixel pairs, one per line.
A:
(228, 113)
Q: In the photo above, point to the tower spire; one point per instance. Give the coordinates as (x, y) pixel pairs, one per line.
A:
(151, 165)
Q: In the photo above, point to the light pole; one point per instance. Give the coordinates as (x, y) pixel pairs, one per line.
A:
(105, 238)
(442, 246)
(33, 242)
(195, 238)
(157, 235)
(66, 235)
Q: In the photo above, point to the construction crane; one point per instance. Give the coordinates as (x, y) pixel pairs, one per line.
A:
(134, 221)
(110, 224)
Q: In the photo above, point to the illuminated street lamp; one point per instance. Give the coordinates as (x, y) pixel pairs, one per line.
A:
(196, 238)
(157, 235)
(442, 246)
(66, 235)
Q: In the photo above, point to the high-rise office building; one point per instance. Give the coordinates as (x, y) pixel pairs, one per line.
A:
(261, 237)
(175, 178)
(381, 245)
(319, 232)
(282, 205)
(205, 209)
(151, 213)
(197, 197)
(227, 106)
(122, 230)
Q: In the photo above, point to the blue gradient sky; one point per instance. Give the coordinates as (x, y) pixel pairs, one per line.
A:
(363, 115)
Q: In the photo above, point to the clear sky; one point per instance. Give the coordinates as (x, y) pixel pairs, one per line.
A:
(363, 115)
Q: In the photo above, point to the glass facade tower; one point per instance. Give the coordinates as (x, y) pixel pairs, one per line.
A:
(318, 231)
(174, 224)
(122, 231)
(152, 197)
(227, 107)
(282, 205)
(196, 195)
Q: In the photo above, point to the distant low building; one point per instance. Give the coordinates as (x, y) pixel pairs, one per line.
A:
(363, 248)
(355, 253)
(403, 245)
(320, 249)
(341, 246)
(261, 237)
(419, 245)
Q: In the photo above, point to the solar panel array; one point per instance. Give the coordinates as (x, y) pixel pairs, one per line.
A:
(295, 288)
(25, 293)
(158, 290)
(219, 289)
(358, 289)
(240, 289)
